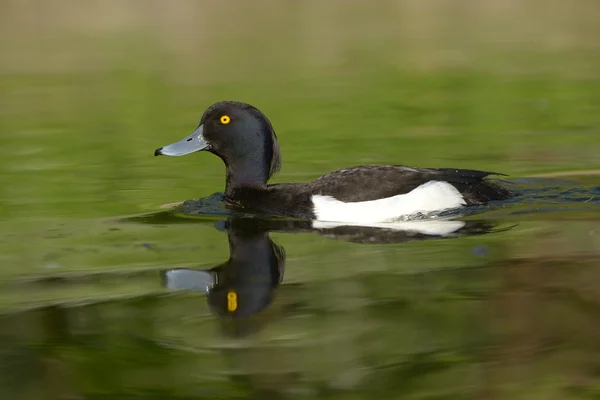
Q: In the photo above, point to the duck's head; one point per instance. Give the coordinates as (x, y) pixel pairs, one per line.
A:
(241, 136)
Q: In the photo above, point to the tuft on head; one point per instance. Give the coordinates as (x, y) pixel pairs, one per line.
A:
(276, 156)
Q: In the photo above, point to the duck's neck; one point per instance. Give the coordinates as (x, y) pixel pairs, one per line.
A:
(245, 173)
(249, 246)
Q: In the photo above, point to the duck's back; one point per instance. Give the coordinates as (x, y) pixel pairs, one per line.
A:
(373, 182)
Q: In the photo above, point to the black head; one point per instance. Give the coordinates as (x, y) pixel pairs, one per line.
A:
(241, 136)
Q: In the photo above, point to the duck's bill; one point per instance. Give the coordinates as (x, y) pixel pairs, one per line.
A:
(190, 144)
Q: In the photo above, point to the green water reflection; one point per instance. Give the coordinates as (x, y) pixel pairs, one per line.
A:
(460, 317)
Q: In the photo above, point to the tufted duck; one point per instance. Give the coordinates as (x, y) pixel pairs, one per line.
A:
(244, 139)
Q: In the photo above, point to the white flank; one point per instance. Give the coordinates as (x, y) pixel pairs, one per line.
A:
(433, 196)
(430, 227)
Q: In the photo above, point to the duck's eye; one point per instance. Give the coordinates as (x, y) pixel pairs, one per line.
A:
(225, 119)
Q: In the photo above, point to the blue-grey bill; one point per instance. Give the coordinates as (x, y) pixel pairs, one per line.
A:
(190, 144)
(189, 279)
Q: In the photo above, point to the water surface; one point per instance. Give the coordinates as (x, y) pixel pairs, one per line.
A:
(223, 306)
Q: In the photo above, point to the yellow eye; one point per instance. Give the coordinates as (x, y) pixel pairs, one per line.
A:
(225, 119)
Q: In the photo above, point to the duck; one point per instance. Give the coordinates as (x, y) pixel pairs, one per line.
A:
(244, 138)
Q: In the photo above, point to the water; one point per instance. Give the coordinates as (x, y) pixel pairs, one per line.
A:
(106, 295)
(505, 302)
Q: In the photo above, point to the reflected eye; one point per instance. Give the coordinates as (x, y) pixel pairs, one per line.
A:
(232, 303)
(225, 119)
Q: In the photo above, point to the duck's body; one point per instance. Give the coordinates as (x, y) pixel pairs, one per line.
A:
(371, 193)
(244, 138)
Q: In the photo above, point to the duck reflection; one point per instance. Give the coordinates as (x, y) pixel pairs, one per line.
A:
(373, 233)
(245, 284)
